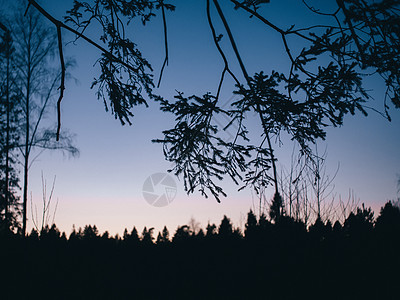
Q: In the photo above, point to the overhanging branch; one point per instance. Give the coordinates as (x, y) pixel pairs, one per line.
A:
(60, 25)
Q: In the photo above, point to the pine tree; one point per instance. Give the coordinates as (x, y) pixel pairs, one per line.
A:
(277, 210)
(147, 236)
(251, 225)
(225, 228)
(388, 221)
(134, 234)
(163, 237)
(210, 230)
(9, 115)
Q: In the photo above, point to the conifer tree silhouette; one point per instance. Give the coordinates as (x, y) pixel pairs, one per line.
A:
(277, 210)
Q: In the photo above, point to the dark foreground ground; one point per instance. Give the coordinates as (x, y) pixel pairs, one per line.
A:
(359, 259)
(290, 267)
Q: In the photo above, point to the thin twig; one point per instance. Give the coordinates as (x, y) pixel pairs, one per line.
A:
(265, 21)
(62, 83)
(314, 10)
(353, 33)
(216, 42)
(165, 42)
(233, 43)
(226, 67)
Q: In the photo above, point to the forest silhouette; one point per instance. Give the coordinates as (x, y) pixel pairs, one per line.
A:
(281, 259)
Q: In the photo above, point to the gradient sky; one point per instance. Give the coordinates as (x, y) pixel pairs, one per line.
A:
(104, 185)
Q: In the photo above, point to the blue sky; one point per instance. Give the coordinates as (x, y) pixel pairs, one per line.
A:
(104, 185)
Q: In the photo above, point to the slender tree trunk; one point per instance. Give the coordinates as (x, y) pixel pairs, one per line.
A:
(26, 163)
(27, 148)
(25, 200)
(271, 151)
(318, 183)
(7, 222)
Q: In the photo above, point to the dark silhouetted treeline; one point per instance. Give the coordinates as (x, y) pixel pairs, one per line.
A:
(359, 259)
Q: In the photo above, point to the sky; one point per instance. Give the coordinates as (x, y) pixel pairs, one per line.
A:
(104, 185)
